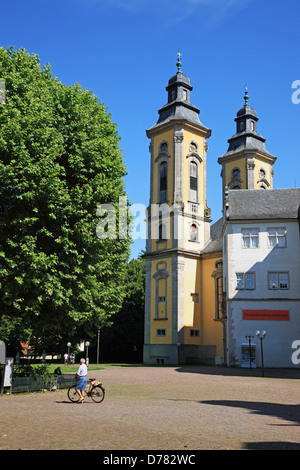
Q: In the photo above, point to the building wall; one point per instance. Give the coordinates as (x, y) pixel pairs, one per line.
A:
(212, 330)
(264, 302)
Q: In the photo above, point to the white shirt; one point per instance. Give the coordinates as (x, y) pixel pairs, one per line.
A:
(82, 370)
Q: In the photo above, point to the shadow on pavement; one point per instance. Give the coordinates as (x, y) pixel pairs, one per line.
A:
(287, 412)
(281, 445)
(293, 373)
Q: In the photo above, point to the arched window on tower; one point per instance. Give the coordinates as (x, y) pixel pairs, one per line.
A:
(193, 182)
(163, 172)
(193, 233)
(162, 231)
(236, 181)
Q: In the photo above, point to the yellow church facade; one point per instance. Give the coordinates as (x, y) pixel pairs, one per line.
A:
(188, 310)
(180, 284)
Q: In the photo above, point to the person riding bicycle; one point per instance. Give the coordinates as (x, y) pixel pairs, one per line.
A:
(81, 380)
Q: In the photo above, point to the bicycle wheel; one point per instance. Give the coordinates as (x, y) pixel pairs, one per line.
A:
(97, 394)
(73, 395)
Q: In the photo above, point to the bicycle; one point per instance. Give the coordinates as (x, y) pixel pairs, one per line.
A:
(95, 391)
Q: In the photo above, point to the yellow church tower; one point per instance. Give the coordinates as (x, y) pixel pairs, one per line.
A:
(178, 228)
(247, 164)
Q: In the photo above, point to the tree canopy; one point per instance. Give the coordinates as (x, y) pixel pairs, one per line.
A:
(59, 160)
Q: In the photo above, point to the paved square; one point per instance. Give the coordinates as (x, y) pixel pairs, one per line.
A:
(167, 408)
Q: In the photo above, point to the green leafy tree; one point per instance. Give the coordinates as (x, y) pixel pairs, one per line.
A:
(59, 160)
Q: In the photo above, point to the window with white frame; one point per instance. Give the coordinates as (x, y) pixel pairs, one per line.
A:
(278, 280)
(250, 238)
(193, 233)
(193, 182)
(277, 237)
(245, 281)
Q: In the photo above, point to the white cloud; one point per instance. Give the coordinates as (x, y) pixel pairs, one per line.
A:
(176, 10)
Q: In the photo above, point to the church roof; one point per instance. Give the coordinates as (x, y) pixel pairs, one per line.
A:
(246, 137)
(255, 204)
(215, 243)
(179, 107)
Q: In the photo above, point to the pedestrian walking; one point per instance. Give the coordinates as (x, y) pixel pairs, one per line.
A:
(66, 359)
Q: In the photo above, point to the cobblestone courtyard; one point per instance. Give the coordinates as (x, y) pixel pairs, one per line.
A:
(148, 408)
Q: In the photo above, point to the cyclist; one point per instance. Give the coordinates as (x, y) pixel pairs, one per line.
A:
(81, 380)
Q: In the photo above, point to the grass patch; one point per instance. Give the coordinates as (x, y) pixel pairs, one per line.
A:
(73, 368)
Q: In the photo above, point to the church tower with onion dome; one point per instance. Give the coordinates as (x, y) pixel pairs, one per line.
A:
(247, 164)
(178, 221)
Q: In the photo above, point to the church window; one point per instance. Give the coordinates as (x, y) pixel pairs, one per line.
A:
(235, 173)
(184, 95)
(163, 171)
(262, 173)
(161, 311)
(219, 298)
(250, 238)
(162, 231)
(245, 281)
(161, 281)
(193, 233)
(278, 281)
(163, 148)
(160, 332)
(193, 182)
(277, 237)
(193, 147)
(220, 308)
(194, 333)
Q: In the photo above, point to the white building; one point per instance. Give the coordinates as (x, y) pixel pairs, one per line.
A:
(261, 273)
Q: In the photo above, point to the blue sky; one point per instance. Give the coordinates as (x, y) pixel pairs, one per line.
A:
(125, 52)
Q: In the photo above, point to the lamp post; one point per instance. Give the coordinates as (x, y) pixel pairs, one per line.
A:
(98, 346)
(69, 345)
(261, 335)
(250, 338)
(87, 352)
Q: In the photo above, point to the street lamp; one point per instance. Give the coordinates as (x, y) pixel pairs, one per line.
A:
(98, 346)
(250, 338)
(261, 335)
(69, 345)
(87, 352)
